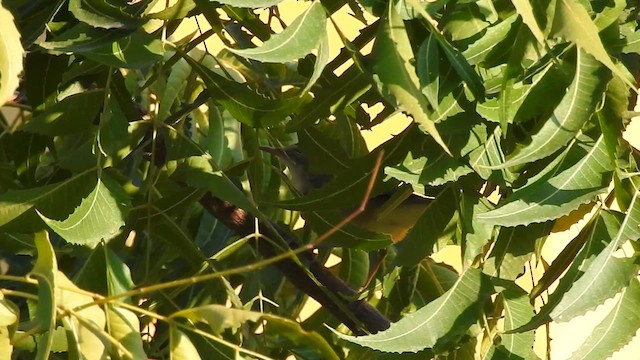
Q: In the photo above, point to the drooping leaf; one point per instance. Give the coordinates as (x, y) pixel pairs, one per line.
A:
(462, 67)
(181, 347)
(576, 258)
(572, 22)
(296, 41)
(517, 311)
(397, 76)
(45, 271)
(124, 326)
(566, 189)
(433, 326)
(569, 116)
(243, 103)
(607, 274)
(525, 10)
(10, 56)
(321, 61)
(616, 329)
(99, 217)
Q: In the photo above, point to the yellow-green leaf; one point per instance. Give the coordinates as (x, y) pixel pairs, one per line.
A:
(10, 56)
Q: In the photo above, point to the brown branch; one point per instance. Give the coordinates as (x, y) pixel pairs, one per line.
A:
(327, 289)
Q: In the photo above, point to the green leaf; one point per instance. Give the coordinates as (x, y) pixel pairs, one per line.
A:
(616, 329)
(354, 267)
(10, 56)
(513, 248)
(550, 198)
(124, 326)
(294, 42)
(577, 256)
(72, 114)
(321, 61)
(99, 217)
(435, 325)
(397, 76)
(181, 347)
(607, 274)
(484, 158)
(45, 272)
(87, 325)
(570, 115)
(525, 10)
(462, 67)
(424, 235)
(517, 312)
(254, 4)
(131, 50)
(14, 203)
(243, 103)
(107, 14)
(572, 22)
(478, 51)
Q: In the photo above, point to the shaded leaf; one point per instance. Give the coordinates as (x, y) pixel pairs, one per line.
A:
(14, 203)
(424, 235)
(517, 312)
(107, 14)
(243, 103)
(181, 347)
(570, 115)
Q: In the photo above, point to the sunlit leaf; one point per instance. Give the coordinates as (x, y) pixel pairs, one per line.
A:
(434, 325)
(551, 198)
(569, 116)
(397, 76)
(181, 348)
(10, 56)
(45, 272)
(99, 217)
(517, 311)
(572, 22)
(607, 275)
(616, 329)
(296, 41)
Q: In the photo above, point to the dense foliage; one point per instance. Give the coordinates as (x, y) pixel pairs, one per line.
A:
(140, 219)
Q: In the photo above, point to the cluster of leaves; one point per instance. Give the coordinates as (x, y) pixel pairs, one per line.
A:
(115, 127)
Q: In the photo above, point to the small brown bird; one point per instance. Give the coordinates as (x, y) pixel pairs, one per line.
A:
(395, 222)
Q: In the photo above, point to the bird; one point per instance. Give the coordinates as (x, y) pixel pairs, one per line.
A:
(376, 217)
